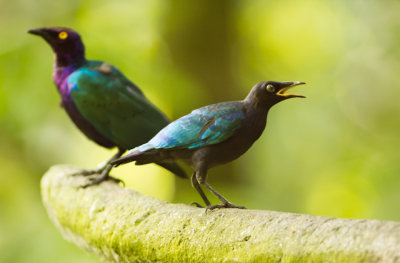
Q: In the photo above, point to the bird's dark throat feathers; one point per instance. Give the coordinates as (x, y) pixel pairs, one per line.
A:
(256, 112)
(71, 56)
(256, 103)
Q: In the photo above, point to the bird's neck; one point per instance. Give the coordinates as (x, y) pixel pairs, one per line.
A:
(67, 60)
(256, 105)
(67, 55)
(61, 71)
(76, 58)
(256, 120)
(256, 112)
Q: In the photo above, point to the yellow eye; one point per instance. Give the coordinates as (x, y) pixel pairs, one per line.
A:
(63, 35)
(270, 88)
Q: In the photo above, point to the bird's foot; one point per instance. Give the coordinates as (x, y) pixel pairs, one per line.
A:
(100, 179)
(224, 205)
(196, 204)
(88, 172)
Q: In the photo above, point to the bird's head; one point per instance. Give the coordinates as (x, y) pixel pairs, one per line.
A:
(268, 93)
(65, 42)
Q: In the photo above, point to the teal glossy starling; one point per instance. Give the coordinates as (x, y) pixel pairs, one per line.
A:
(213, 135)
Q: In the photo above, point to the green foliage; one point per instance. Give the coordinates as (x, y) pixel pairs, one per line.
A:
(333, 154)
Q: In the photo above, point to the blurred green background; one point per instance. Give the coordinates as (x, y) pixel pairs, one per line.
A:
(335, 153)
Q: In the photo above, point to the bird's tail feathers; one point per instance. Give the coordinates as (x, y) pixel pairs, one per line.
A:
(134, 156)
(140, 158)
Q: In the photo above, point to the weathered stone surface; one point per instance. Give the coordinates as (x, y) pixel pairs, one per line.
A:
(121, 225)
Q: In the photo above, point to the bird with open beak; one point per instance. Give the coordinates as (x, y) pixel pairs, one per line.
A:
(213, 135)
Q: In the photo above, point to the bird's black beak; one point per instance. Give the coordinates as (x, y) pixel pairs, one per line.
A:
(36, 31)
(286, 87)
(44, 32)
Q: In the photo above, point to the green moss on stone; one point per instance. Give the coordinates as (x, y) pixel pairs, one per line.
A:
(120, 225)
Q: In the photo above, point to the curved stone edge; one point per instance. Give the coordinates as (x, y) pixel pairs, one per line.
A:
(121, 225)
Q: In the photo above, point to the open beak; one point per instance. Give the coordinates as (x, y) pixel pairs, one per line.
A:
(282, 91)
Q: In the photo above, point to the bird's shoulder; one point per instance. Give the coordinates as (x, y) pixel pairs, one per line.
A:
(219, 109)
(100, 75)
(101, 86)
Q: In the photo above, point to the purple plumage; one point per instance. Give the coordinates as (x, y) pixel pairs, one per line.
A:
(106, 106)
(69, 57)
(60, 77)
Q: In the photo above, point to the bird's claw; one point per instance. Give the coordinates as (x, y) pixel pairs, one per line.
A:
(224, 205)
(100, 179)
(196, 204)
(88, 172)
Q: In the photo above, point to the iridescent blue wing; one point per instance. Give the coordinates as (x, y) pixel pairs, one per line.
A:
(205, 126)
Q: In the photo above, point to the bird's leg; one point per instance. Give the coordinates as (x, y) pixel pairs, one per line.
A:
(225, 203)
(102, 166)
(105, 172)
(201, 176)
(196, 186)
(103, 177)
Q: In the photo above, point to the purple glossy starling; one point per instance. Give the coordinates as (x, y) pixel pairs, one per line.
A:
(213, 135)
(106, 106)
